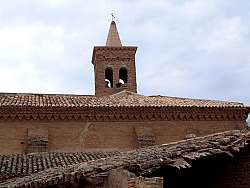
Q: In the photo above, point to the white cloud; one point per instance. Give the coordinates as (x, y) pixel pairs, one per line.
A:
(23, 41)
(227, 34)
(30, 56)
(55, 2)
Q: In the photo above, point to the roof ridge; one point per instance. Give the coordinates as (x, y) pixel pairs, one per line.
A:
(127, 93)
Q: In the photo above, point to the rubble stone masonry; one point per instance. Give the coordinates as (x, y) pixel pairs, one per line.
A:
(124, 179)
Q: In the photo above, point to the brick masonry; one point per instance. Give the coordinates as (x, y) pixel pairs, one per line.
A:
(114, 58)
(74, 136)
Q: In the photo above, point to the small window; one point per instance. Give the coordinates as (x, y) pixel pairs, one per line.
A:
(123, 77)
(109, 77)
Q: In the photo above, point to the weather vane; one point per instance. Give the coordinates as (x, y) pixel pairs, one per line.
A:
(113, 17)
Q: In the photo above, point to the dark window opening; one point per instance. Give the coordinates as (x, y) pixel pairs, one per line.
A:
(109, 77)
(123, 77)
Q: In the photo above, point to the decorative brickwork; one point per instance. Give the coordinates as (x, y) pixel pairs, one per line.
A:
(37, 144)
(145, 136)
(146, 140)
(37, 140)
(114, 58)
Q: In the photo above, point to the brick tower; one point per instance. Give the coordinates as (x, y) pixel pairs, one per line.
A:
(114, 65)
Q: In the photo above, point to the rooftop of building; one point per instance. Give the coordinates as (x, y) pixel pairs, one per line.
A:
(19, 165)
(121, 99)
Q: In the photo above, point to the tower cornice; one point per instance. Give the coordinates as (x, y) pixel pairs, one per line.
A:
(109, 48)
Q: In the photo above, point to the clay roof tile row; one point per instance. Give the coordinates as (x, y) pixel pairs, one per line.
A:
(123, 99)
(19, 165)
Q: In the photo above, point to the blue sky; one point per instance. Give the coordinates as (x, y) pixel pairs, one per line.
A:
(186, 48)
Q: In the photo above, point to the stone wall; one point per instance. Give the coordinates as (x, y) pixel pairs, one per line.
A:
(72, 136)
(124, 179)
(142, 182)
(117, 179)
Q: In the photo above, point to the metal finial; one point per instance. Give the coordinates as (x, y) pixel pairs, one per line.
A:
(113, 17)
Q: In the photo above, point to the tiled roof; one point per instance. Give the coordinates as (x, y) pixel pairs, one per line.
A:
(122, 99)
(18, 165)
(142, 161)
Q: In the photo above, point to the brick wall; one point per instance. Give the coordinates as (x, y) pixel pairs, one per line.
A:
(212, 172)
(36, 140)
(72, 136)
(114, 58)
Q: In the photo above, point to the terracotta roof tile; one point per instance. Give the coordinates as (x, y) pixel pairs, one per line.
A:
(123, 98)
(18, 165)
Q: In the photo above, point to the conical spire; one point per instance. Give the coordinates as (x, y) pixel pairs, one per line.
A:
(113, 36)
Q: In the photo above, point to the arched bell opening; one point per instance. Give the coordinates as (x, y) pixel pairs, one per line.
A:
(108, 77)
(123, 77)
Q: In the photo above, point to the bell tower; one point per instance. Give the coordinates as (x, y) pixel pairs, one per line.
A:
(114, 65)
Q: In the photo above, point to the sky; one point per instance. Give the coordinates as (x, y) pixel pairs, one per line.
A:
(186, 48)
